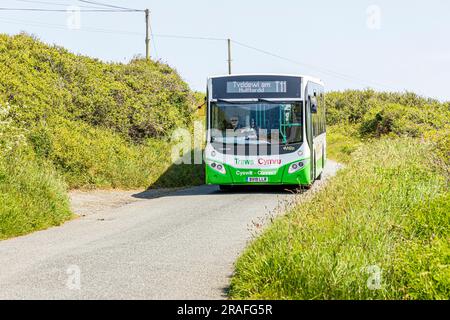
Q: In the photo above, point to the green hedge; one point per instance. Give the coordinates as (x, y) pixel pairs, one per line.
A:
(139, 100)
(90, 157)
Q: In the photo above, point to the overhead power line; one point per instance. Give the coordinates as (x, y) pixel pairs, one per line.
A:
(153, 40)
(320, 69)
(104, 30)
(56, 4)
(64, 27)
(62, 10)
(189, 37)
(108, 5)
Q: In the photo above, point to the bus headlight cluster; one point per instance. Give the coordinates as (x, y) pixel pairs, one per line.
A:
(218, 167)
(296, 167)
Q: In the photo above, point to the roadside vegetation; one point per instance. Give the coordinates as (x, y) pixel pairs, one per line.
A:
(380, 229)
(69, 121)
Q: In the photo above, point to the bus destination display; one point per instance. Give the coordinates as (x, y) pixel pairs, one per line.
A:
(257, 87)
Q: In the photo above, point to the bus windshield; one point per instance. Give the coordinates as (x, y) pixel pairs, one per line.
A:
(257, 123)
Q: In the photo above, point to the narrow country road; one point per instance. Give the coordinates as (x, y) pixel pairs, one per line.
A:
(178, 246)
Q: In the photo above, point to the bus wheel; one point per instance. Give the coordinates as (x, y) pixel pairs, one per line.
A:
(307, 186)
(225, 187)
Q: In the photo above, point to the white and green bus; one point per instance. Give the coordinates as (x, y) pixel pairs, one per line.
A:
(265, 129)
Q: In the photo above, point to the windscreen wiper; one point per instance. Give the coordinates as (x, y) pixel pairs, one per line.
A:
(228, 101)
(268, 101)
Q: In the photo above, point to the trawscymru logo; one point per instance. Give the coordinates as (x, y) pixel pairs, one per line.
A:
(243, 162)
(269, 162)
(259, 162)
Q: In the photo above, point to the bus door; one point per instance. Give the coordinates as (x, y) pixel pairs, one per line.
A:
(309, 129)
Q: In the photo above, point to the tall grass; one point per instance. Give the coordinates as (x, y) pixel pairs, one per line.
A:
(32, 196)
(388, 209)
(342, 141)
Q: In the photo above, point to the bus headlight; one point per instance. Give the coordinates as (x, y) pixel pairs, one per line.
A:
(296, 167)
(217, 167)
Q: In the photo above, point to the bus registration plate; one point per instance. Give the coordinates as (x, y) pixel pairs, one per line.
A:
(257, 179)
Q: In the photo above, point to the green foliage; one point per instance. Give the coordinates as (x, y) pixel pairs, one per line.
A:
(32, 195)
(90, 157)
(139, 100)
(72, 121)
(441, 142)
(388, 208)
(342, 141)
(100, 124)
(351, 106)
(426, 257)
(403, 120)
(39, 163)
(355, 117)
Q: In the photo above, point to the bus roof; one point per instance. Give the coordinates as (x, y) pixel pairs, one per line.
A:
(307, 78)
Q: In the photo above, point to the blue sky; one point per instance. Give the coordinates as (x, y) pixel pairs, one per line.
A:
(389, 45)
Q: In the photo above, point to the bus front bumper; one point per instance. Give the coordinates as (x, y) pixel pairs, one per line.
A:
(277, 176)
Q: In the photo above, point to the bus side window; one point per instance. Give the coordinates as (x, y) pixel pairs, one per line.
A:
(297, 113)
(315, 113)
(324, 113)
(319, 127)
(319, 121)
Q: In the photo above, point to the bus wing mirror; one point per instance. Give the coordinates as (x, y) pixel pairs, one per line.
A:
(313, 105)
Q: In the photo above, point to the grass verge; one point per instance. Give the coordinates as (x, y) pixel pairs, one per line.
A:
(32, 196)
(397, 222)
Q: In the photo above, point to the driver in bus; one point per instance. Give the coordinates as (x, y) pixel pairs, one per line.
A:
(235, 123)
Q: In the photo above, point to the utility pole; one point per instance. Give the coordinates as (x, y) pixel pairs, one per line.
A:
(147, 34)
(229, 56)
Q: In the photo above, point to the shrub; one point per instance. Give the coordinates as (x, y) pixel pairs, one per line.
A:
(441, 142)
(402, 120)
(139, 100)
(351, 106)
(90, 157)
(357, 116)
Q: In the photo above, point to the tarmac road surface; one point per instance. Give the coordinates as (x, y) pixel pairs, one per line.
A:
(181, 245)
